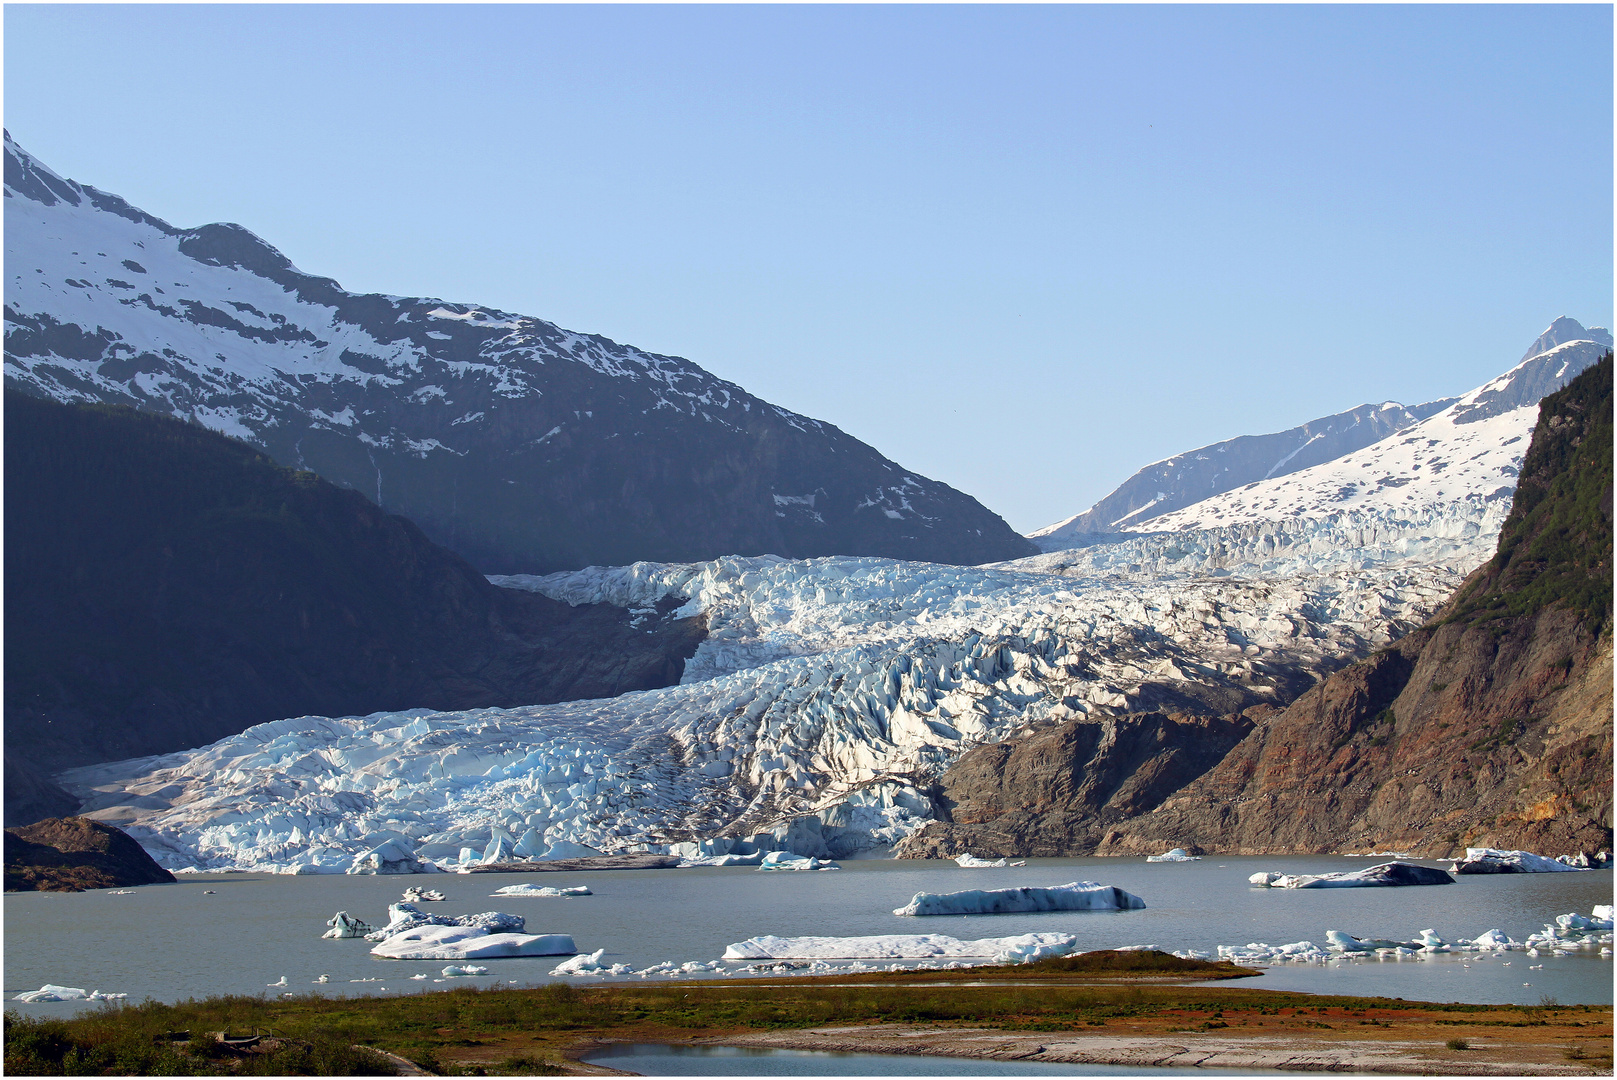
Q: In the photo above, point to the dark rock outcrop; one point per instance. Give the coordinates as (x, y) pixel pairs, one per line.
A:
(1490, 726)
(167, 586)
(73, 854)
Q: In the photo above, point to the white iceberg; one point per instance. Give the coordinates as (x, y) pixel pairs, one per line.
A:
(753, 859)
(1259, 952)
(590, 964)
(1496, 861)
(344, 925)
(1344, 942)
(887, 947)
(1073, 896)
(971, 862)
(52, 992)
(1391, 874)
(542, 890)
(415, 894)
(1178, 854)
(470, 943)
(786, 860)
(460, 971)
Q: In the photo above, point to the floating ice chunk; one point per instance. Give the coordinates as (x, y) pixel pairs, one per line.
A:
(1602, 911)
(1574, 921)
(786, 860)
(754, 859)
(884, 947)
(462, 971)
(323, 979)
(470, 943)
(1496, 861)
(972, 862)
(415, 894)
(542, 890)
(1033, 952)
(52, 992)
(1348, 943)
(590, 964)
(1178, 854)
(1259, 952)
(402, 917)
(1073, 896)
(1383, 875)
(344, 925)
(1493, 939)
(1429, 941)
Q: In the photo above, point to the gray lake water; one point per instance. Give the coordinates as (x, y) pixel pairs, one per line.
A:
(171, 942)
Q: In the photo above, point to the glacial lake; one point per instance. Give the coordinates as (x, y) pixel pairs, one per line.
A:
(662, 1059)
(239, 933)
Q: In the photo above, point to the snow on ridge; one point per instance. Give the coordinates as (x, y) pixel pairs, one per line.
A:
(829, 693)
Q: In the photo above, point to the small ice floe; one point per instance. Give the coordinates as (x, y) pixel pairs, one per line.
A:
(1178, 854)
(590, 964)
(52, 992)
(889, 947)
(277, 984)
(971, 862)
(415, 894)
(1260, 952)
(209, 892)
(1496, 861)
(1493, 941)
(344, 925)
(418, 978)
(323, 979)
(787, 860)
(463, 971)
(1349, 944)
(542, 890)
(1382, 875)
(777, 967)
(119, 892)
(1073, 896)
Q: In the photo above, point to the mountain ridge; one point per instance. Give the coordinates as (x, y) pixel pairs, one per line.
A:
(523, 446)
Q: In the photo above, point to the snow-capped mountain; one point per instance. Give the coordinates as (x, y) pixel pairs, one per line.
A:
(522, 446)
(1148, 500)
(1471, 452)
(828, 696)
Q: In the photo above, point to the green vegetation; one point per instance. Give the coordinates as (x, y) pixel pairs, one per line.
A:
(1556, 545)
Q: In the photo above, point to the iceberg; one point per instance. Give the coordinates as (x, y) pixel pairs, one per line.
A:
(460, 971)
(1178, 854)
(402, 917)
(415, 894)
(541, 890)
(755, 859)
(1348, 943)
(589, 964)
(888, 947)
(52, 992)
(1073, 896)
(470, 943)
(344, 925)
(785, 860)
(1383, 875)
(390, 857)
(1259, 952)
(1495, 861)
(971, 862)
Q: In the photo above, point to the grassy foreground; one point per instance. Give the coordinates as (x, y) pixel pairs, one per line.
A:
(505, 1031)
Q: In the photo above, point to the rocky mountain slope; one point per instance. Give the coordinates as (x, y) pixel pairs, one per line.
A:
(520, 445)
(167, 586)
(74, 854)
(1385, 459)
(1490, 726)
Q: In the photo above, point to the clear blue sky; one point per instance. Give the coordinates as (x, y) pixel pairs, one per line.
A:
(1024, 250)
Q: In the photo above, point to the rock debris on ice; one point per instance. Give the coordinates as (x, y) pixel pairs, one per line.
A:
(1382, 875)
(1495, 861)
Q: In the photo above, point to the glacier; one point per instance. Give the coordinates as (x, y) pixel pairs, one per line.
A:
(827, 696)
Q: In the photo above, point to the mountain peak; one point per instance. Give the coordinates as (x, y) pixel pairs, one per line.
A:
(1567, 329)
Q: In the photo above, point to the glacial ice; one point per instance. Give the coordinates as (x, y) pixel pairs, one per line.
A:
(1382, 875)
(1073, 896)
(1178, 854)
(52, 992)
(542, 890)
(887, 947)
(392, 856)
(469, 943)
(463, 971)
(785, 860)
(415, 894)
(344, 925)
(971, 862)
(1495, 861)
(826, 690)
(589, 964)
